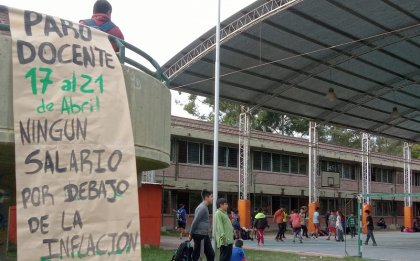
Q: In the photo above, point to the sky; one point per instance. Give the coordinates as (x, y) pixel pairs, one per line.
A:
(161, 28)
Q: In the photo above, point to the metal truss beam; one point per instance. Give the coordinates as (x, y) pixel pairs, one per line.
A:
(244, 154)
(313, 162)
(257, 15)
(407, 175)
(366, 175)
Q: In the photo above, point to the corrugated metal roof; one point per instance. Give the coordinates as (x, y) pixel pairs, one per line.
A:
(368, 51)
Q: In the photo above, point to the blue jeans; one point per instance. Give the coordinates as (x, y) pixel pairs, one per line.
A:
(370, 235)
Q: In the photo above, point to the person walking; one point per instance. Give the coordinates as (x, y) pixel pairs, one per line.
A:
(278, 219)
(295, 220)
(181, 218)
(260, 223)
(224, 230)
(101, 19)
(326, 217)
(303, 220)
(316, 223)
(369, 226)
(332, 219)
(339, 227)
(200, 228)
(285, 218)
(352, 225)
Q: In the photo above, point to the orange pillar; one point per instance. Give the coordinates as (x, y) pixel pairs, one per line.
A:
(244, 209)
(311, 209)
(365, 207)
(408, 217)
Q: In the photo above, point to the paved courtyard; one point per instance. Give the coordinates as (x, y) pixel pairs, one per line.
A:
(391, 246)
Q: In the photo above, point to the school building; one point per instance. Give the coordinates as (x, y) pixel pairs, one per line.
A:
(279, 173)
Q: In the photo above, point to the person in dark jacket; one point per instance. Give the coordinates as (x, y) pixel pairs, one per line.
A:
(102, 10)
(369, 225)
(260, 223)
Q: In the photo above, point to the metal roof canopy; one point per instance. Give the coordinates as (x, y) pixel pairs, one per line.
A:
(284, 56)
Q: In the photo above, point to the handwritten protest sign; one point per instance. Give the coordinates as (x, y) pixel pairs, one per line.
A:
(76, 183)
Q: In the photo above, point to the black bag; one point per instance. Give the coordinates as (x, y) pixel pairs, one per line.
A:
(184, 252)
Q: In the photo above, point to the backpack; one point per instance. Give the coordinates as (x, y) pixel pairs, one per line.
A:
(179, 216)
(184, 252)
(105, 27)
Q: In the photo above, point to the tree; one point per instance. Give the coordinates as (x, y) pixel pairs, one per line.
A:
(293, 126)
(260, 120)
(415, 151)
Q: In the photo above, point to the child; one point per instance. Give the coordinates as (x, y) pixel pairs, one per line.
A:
(352, 225)
(237, 252)
(332, 220)
(296, 225)
(260, 223)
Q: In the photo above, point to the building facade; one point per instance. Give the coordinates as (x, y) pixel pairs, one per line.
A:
(279, 173)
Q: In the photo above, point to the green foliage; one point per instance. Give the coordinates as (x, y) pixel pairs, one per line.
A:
(294, 126)
(415, 151)
(388, 146)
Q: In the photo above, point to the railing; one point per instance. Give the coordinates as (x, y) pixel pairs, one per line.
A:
(122, 45)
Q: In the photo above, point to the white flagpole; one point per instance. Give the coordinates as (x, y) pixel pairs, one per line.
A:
(216, 125)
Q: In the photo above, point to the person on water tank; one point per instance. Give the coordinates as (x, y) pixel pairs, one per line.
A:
(101, 20)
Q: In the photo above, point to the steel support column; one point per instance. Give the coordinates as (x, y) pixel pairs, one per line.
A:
(313, 174)
(366, 176)
(407, 175)
(408, 203)
(244, 204)
(313, 163)
(244, 154)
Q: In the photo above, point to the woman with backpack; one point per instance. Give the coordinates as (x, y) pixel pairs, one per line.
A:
(181, 219)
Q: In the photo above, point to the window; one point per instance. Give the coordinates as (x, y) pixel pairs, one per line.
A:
(349, 171)
(375, 174)
(334, 166)
(194, 153)
(285, 163)
(324, 165)
(399, 175)
(182, 151)
(233, 158)
(257, 160)
(276, 162)
(382, 175)
(266, 161)
(208, 154)
(383, 208)
(387, 175)
(415, 179)
(303, 162)
(222, 156)
(173, 150)
(294, 165)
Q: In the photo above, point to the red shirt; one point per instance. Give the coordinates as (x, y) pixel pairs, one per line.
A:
(100, 19)
(295, 219)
